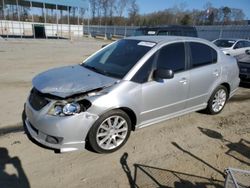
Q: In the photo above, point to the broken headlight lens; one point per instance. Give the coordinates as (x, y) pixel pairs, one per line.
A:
(65, 109)
(68, 108)
(71, 108)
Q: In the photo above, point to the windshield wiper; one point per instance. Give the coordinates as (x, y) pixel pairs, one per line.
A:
(102, 71)
(94, 69)
(97, 70)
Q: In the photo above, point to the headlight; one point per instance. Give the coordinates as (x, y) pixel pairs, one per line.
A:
(66, 109)
(71, 108)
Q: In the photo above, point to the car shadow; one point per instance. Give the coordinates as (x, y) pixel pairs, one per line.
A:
(12, 129)
(11, 180)
(245, 85)
(238, 150)
(240, 97)
(149, 176)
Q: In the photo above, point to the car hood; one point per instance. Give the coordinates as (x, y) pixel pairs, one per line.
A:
(70, 80)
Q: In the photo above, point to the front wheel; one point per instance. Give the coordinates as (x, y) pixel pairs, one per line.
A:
(217, 100)
(110, 132)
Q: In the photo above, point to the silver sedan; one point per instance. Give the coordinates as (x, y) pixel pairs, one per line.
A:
(129, 84)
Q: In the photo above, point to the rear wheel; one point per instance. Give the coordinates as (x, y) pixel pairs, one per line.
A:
(110, 132)
(217, 100)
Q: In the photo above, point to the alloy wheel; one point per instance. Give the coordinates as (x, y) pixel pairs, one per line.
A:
(219, 100)
(112, 132)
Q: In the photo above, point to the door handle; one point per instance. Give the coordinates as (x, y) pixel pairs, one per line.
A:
(183, 81)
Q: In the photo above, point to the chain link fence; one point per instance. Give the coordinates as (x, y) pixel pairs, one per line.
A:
(223, 31)
(206, 32)
(26, 29)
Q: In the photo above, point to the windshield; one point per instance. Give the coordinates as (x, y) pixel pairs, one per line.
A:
(224, 43)
(117, 59)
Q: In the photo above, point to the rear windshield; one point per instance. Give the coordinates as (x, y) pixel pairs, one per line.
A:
(139, 32)
(224, 43)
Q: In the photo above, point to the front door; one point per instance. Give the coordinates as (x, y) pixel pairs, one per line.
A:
(161, 98)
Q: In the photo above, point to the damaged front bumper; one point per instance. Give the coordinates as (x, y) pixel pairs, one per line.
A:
(67, 133)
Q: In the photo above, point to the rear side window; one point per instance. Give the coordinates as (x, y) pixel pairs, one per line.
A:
(171, 33)
(246, 44)
(202, 54)
(172, 57)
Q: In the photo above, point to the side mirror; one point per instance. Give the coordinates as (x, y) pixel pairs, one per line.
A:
(247, 52)
(163, 74)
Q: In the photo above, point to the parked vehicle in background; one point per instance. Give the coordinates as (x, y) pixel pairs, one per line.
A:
(171, 30)
(129, 84)
(244, 66)
(233, 47)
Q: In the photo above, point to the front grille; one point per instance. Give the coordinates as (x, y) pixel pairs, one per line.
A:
(37, 100)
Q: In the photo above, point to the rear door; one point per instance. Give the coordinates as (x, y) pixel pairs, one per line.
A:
(204, 73)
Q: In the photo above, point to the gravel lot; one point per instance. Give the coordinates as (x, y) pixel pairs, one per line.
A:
(189, 151)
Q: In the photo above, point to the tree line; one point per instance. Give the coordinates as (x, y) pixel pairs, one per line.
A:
(126, 12)
(112, 12)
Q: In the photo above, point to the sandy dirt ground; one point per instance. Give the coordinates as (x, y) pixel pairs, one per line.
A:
(189, 151)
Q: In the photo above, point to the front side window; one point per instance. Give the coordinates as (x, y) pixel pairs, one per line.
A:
(239, 44)
(117, 59)
(202, 54)
(172, 57)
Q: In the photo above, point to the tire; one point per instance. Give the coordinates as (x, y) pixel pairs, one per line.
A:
(110, 132)
(217, 100)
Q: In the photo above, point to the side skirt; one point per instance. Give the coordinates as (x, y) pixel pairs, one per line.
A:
(170, 116)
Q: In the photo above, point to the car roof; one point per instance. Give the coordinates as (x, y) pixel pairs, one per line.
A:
(236, 39)
(166, 39)
(167, 27)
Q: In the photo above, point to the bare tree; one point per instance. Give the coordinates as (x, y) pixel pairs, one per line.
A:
(133, 12)
(237, 15)
(186, 20)
(93, 7)
(226, 14)
(121, 6)
(111, 10)
(1, 10)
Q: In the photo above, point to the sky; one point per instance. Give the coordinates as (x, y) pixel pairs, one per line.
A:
(148, 6)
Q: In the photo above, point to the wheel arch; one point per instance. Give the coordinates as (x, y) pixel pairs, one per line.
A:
(225, 84)
(131, 115)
